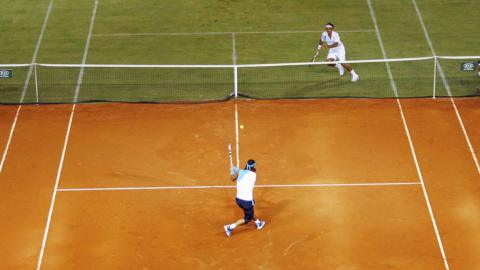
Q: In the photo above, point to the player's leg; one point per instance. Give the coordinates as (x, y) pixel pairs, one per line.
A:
(247, 208)
(330, 58)
(339, 66)
(333, 56)
(250, 215)
(237, 223)
(341, 57)
(347, 67)
(258, 222)
(230, 227)
(355, 76)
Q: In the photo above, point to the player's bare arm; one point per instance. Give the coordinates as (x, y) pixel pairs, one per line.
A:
(234, 176)
(334, 45)
(234, 172)
(320, 44)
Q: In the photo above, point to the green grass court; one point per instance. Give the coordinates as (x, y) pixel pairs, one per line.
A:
(200, 32)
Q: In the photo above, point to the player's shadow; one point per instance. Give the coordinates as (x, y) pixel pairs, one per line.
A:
(268, 209)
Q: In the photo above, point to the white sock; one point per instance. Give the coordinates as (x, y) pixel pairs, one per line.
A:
(353, 72)
(232, 226)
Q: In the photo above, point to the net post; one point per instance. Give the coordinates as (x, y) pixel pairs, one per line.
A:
(36, 81)
(435, 59)
(235, 81)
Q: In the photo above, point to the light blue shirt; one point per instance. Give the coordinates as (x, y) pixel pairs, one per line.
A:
(245, 183)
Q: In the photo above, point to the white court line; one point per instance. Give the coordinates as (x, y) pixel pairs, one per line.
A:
(235, 68)
(237, 139)
(410, 142)
(232, 186)
(384, 53)
(25, 86)
(67, 136)
(228, 33)
(447, 87)
(234, 61)
(234, 49)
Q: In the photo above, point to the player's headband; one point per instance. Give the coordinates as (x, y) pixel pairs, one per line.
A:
(328, 26)
(250, 165)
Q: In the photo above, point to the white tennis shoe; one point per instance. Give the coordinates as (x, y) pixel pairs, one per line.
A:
(227, 229)
(355, 77)
(260, 224)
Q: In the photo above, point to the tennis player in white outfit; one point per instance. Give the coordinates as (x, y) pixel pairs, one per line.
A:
(245, 182)
(478, 68)
(336, 51)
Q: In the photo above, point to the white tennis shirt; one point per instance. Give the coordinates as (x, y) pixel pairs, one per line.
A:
(331, 40)
(245, 183)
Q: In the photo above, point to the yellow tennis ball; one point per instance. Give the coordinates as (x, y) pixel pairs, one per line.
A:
(241, 126)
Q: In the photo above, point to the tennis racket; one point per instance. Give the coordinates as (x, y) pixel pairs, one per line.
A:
(315, 56)
(230, 157)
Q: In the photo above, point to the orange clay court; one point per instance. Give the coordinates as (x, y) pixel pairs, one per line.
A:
(340, 183)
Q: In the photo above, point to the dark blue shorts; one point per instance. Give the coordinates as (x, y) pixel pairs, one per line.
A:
(247, 207)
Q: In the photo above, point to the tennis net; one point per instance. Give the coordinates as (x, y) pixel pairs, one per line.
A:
(411, 77)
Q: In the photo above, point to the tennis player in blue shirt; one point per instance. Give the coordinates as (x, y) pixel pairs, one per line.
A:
(245, 182)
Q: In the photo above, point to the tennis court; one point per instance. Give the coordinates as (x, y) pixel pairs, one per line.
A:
(343, 183)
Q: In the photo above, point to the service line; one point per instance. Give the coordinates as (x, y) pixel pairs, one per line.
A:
(226, 33)
(379, 184)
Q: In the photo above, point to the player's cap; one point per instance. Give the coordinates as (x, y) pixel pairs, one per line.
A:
(329, 25)
(250, 164)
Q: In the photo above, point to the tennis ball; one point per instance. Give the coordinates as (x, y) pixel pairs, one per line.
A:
(241, 126)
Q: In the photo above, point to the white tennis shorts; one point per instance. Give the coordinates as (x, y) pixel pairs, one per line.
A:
(338, 54)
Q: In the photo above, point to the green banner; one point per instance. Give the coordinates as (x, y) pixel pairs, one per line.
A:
(468, 66)
(6, 73)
